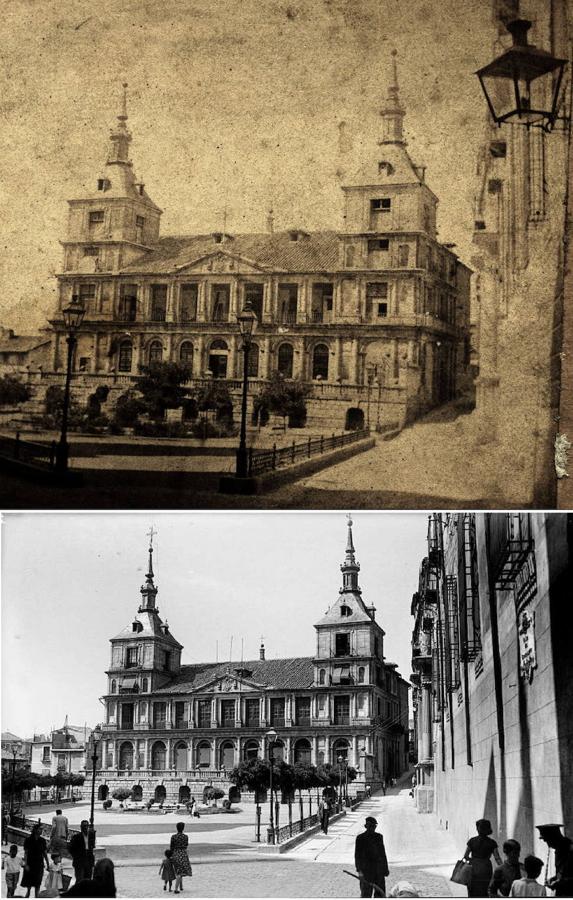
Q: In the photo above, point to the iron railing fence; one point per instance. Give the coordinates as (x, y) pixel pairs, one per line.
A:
(266, 460)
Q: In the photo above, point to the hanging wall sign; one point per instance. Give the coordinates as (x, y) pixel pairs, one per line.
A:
(527, 652)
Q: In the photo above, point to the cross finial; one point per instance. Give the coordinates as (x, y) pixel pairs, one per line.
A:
(150, 534)
(124, 102)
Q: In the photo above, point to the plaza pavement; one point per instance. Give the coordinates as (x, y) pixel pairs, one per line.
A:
(228, 863)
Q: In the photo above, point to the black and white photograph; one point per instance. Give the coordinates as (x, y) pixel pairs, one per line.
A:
(320, 260)
(279, 704)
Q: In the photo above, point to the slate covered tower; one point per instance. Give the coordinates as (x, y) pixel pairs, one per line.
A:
(349, 642)
(144, 655)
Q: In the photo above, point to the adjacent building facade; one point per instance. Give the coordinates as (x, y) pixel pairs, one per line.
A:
(375, 317)
(171, 728)
(492, 672)
(521, 230)
(64, 750)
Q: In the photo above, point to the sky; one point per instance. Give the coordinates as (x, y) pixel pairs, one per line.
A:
(236, 104)
(70, 582)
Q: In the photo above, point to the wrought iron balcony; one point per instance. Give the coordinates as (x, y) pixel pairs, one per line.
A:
(510, 542)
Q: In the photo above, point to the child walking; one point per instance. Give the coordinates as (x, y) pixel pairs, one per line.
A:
(167, 870)
(13, 863)
(54, 881)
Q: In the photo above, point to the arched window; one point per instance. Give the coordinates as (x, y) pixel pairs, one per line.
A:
(203, 755)
(125, 356)
(226, 755)
(158, 755)
(251, 750)
(302, 751)
(126, 755)
(113, 688)
(155, 352)
(253, 367)
(102, 792)
(181, 757)
(160, 793)
(186, 353)
(218, 358)
(137, 793)
(184, 794)
(361, 674)
(278, 751)
(340, 748)
(320, 362)
(284, 360)
(321, 676)
(144, 686)
(345, 610)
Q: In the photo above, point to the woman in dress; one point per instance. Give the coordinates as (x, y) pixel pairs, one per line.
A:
(35, 855)
(180, 858)
(101, 885)
(478, 853)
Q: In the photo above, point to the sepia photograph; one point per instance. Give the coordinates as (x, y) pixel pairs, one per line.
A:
(309, 254)
(266, 704)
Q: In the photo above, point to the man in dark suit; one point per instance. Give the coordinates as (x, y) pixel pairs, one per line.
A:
(562, 882)
(82, 852)
(370, 861)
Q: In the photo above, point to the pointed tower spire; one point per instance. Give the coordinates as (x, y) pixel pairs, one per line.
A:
(350, 568)
(120, 137)
(148, 590)
(393, 112)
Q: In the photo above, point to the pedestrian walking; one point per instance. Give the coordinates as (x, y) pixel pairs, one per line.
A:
(12, 865)
(562, 882)
(54, 882)
(101, 885)
(509, 871)
(370, 860)
(35, 857)
(5, 823)
(529, 886)
(59, 833)
(324, 814)
(384, 786)
(181, 864)
(167, 870)
(478, 853)
(82, 852)
(191, 806)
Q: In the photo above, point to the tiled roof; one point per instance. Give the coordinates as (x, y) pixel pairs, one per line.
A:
(314, 252)
(22, 344)
(151, 626)
(285, 674)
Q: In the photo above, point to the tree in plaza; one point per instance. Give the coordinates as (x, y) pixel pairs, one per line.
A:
(284, 397)
(216, 396)
(121, 794)
(128, 408)
(161, 387)
(251, 775)
(213, 793)
(305, 778)
(12, 391)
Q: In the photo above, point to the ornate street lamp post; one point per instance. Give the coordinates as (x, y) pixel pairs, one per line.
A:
(247, 320)
(73, 316)
(523, 85)
(95, 740)
(272, 739)
(16, 751)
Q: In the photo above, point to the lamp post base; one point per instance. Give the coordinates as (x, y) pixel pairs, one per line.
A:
(62, 456)
(234, 484)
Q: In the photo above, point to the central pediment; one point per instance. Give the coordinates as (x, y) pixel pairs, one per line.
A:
(222, 262)
(230, 684)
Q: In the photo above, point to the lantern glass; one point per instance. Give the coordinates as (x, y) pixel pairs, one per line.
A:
(73, 315)
(523, 85)
(247, 320)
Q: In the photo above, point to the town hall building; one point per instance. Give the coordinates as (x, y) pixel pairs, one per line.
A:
(171, 728)
(374, 317)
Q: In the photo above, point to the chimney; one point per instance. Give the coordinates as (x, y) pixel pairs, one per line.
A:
(262, 651)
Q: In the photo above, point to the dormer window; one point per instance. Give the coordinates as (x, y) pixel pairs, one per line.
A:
(381, 204)
(221, 236)
(103, 184)
(385, 168)
(136, 626)
(296, 234)
(345, 610)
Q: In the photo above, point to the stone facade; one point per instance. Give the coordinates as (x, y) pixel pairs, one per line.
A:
(518, 281)
(171, 728)
(375, 317)
(492, 670)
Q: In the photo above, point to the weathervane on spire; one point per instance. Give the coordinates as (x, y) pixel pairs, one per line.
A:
(123, 115)
(150, 534)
